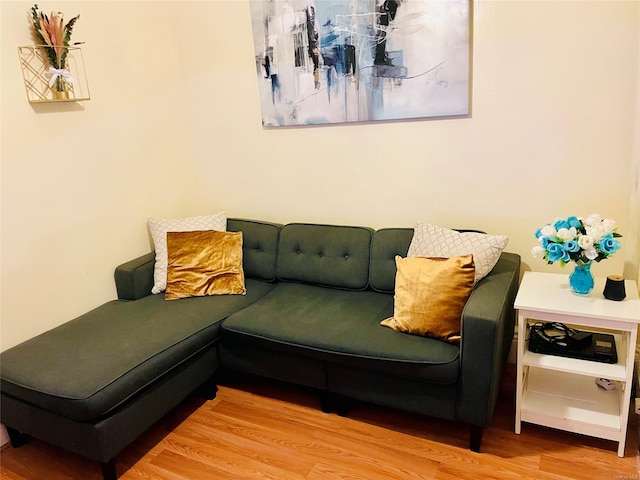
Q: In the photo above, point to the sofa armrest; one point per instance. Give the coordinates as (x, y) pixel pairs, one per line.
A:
(134, 279)
(488, 322)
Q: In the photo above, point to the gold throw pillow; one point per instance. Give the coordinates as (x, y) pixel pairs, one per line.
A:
(204, 263)
(430, 295)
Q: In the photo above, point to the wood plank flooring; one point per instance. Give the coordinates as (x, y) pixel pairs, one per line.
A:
(264, 430)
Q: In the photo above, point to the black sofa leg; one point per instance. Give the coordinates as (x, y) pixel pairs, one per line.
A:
(475, 439)
(332, 402)
(209, 389)
(109, 470)
(17, 438)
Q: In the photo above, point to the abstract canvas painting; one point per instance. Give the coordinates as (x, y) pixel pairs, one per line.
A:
(337, 61)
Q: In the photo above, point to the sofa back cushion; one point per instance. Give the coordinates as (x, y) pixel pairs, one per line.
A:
(387, 243)
(259, 247)
(326, 255)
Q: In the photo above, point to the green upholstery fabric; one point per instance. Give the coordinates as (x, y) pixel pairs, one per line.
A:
(86, 367)
(103, 438)
(488, 322)
(134, 279)
(259, 247)
(326, 255)
(387, 243)
(394, 390)
(245, 356)
(340, 326)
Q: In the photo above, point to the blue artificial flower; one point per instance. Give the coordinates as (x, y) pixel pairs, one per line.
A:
(608, 244)
(572, 246)
(544, 242)
(571, 239)
(557, 252)
(574, 222)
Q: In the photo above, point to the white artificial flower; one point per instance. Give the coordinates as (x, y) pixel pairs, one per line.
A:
(538, 252)
(566, 234)
(608, 225)
(548, 231)
(596, 231)
(591, 253)
(593, 219)
(585, 242)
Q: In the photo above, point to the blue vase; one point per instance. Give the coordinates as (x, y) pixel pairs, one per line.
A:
(581, 280)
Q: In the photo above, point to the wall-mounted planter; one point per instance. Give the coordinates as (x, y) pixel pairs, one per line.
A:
(44, 84)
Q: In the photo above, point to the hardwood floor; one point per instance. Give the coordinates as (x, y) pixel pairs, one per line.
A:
(263, 430)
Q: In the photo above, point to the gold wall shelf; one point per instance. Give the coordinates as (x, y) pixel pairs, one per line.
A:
(35, 72)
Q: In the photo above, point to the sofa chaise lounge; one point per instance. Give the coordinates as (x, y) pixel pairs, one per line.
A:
(315, 297)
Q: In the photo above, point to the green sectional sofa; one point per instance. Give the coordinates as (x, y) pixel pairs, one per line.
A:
(315, 297)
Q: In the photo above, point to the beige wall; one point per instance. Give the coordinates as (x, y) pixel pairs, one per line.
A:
(551, 132)
(173, 128)
(80, 180)
(632, 259)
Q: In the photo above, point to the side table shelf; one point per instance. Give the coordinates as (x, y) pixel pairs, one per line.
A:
(561, 392)
(551, 398)
(616, 371)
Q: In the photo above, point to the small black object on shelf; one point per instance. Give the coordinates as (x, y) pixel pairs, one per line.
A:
(614, 288)
(554, 338)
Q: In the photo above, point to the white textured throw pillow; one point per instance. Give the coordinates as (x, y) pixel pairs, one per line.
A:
(433, 241)
(159, 228)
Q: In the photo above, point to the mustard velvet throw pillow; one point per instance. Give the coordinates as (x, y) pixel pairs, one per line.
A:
(430, 295)
(158, 227)
(204, 263)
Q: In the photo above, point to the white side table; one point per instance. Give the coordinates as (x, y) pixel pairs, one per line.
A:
(561, 392)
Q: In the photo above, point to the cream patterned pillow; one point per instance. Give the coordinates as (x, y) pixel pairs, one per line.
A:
(433, 241)
(159, 228)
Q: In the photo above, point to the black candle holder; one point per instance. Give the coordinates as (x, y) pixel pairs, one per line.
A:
(614, 288)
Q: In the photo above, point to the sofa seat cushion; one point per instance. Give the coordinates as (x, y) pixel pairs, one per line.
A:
(88, 366)
(340, 326)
